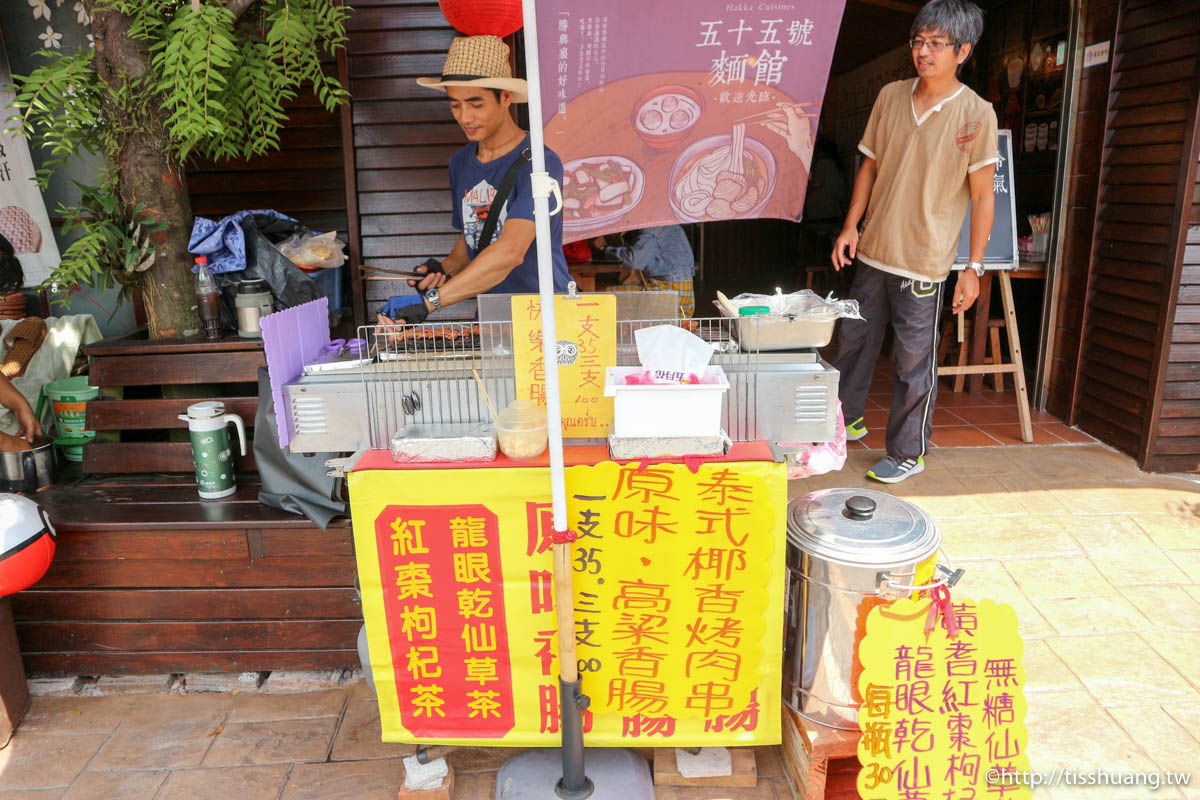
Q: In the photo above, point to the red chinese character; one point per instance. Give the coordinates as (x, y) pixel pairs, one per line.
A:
(541, 591)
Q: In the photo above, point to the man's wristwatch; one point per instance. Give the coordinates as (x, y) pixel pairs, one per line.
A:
(435, 300)
(974, 265)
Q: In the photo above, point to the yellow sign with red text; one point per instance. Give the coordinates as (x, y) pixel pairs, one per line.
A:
(942, 716)
(678, 580)
(587, 341)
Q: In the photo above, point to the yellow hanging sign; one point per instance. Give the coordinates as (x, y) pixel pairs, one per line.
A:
(587, 343)
(942, 716)
(678, 582)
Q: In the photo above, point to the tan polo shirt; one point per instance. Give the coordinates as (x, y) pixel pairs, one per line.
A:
(921, 192)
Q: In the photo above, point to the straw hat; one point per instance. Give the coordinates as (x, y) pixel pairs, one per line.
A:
(478, 61)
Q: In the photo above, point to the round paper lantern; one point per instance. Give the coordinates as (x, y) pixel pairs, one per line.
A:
(483, 17)
(26, 543)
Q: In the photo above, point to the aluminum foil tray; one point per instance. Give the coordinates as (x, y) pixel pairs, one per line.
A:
(439, 442)
(631, 448)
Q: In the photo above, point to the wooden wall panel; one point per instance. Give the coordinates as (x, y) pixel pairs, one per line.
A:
(303, 179)
(402, 140)
(1099, 24)
(1127, 358)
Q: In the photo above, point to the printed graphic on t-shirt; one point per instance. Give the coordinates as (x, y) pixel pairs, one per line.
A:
(476, 205)
(967, 134)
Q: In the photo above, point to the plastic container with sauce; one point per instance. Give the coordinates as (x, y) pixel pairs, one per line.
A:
(521, 430)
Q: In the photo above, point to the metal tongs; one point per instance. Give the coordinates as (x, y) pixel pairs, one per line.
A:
(398, 273)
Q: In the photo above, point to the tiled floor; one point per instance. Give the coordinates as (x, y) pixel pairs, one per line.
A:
(965, 419)
(1100, 562)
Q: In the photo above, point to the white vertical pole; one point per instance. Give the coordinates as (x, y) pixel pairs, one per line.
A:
(574, 784)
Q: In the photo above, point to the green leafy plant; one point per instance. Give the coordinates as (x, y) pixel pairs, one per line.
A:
(168, 79)
(115, 244)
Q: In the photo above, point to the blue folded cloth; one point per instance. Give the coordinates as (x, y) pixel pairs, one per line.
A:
(224, 243)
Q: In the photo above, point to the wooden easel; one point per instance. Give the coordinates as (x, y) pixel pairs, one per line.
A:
(1016, 366)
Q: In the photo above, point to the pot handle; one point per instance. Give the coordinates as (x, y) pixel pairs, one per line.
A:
(29, 472)
(241, 429)
(949, 577)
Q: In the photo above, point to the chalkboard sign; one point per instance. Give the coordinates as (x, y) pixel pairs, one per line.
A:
(1001, 250)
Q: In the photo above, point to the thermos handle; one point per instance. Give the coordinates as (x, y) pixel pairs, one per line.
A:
(241, 429)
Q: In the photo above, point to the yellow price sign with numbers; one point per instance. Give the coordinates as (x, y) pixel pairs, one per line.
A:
(942, 716)
(586, 344)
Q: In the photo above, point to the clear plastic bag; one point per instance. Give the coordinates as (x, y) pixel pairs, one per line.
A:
(802, 303)
(313, 250)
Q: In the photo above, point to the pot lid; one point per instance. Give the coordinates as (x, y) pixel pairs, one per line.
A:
(861, 527)
(252, 286)
(209, 409)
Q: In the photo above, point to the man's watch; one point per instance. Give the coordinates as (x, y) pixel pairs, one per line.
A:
(434, 299)
(977, 266)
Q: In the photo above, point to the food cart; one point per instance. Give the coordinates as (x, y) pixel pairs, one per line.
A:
(678, 551)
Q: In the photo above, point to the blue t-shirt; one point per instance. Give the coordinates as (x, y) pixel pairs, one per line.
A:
(473, 184)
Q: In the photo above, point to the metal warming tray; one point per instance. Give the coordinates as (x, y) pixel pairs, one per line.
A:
(763, 332)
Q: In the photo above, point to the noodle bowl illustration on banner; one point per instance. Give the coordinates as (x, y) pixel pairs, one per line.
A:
(722, 177)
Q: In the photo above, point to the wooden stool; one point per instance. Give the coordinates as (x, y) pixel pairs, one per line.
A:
(807, 751)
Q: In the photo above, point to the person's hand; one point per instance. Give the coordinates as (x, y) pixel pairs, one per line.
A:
(796, 131)
(966, 289)
(409, 308)
(27, 424)
(847, 243)
(435, 276)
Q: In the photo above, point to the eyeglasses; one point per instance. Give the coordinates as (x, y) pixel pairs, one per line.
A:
(935, 47)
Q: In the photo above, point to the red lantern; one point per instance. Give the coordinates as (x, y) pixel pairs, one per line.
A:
(483, 17)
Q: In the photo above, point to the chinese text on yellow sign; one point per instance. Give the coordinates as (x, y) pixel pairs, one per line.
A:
(942, 717)
(587, 342)
(678, 602)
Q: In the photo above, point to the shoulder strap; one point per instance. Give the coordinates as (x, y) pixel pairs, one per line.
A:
(506, 185)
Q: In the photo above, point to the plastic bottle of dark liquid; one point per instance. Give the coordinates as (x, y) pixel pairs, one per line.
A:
(208, 300)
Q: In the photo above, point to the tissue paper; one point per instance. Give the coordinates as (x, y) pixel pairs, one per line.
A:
(670, 355)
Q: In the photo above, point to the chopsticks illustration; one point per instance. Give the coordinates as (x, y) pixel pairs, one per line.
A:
(776, 114)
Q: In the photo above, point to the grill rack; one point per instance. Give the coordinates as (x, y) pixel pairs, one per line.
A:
(426, 378)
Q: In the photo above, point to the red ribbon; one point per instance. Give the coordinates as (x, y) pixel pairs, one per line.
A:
(943, 607)
(693, 463)
(563, 537)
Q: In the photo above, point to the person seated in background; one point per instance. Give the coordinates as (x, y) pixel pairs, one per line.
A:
(28, 426)
(660, 259)
(11, 279)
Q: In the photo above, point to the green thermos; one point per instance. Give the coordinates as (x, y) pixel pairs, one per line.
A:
(208, 425)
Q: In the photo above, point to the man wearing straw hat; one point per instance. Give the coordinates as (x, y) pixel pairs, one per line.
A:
(493, 168)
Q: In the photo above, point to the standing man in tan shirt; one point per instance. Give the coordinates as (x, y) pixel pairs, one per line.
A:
(929, 149)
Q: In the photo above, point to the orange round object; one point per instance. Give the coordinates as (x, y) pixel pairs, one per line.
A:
(483, 17)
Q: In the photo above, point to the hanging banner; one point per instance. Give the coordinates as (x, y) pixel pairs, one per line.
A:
(23, 219)
(685, 112)
(587, 341)
(941, 715)
(678, 582)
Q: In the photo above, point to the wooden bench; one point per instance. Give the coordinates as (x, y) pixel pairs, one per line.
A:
(145, 385)
(148, 578)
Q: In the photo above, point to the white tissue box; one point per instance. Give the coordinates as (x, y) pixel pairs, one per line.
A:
(641, 410)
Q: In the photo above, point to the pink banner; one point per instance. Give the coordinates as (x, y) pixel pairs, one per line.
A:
(667, 113)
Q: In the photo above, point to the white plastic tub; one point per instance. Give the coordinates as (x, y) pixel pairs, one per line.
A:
(665, 409)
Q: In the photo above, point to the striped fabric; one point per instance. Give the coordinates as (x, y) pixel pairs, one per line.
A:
(687, 295)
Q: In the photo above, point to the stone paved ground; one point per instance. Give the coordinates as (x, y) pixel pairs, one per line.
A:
(1101, 563)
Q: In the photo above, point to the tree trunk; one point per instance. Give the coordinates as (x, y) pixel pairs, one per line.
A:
(148, 174)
